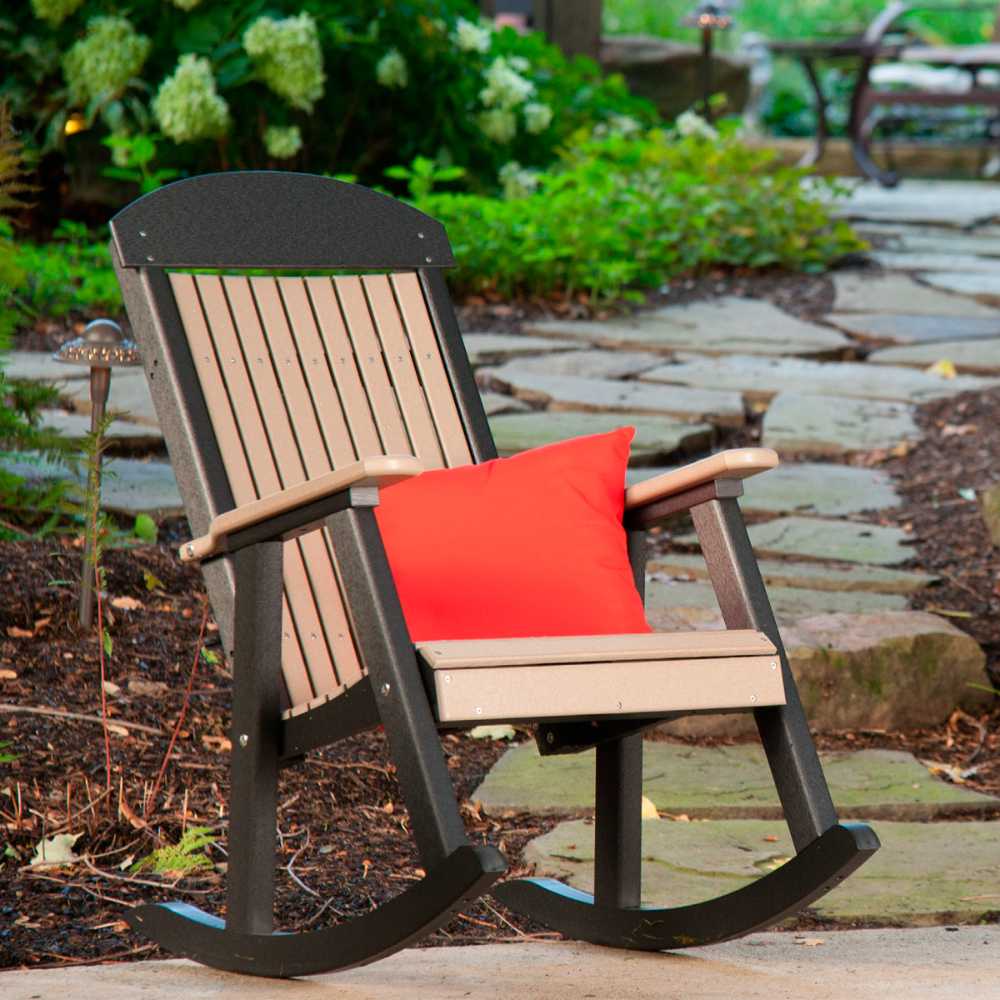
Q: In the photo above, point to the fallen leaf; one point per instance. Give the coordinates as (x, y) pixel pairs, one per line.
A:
(944, 368)
(57, 850)
(958, 430)
(649, 810)
(810, 942)
(218, 744)
(137, 685)
(492, 733)
(111, 688)
(126, 603)
(117, 730)
(367, 865)
(771, 838)
(19, 633)
(8, 675)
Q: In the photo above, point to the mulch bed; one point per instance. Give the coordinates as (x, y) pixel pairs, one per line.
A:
(344, 844)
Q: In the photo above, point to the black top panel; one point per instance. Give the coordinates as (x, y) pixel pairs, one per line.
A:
(266, 218)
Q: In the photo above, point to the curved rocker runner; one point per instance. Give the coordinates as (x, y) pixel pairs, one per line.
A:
(288, 399)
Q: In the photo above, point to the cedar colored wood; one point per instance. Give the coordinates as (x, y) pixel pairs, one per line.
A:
(286, 400)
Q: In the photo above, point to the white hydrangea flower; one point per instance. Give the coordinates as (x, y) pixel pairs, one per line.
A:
(537, 117)
(288, 57)
(518, 181)
(392, 71)
(54, 11)
(282, 142)
(187, 106)
(690, 123)
(505, 87)
(102, 62)
(519, 63)
(470, 37)
(498, 124)
(186, 4)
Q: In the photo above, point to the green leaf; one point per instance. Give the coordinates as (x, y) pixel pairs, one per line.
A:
(106, 642)
(145, 528)
(152, 581)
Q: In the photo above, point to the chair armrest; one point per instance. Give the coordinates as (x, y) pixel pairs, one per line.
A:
(736, 463)
(381, 470)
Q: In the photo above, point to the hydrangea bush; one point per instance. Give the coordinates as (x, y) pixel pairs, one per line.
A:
(331, 86)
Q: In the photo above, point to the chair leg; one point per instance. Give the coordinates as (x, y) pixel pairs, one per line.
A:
(618, 822)
(784, 730)
(255, 738)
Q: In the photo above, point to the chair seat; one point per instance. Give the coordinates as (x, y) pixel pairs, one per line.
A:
(953, 55)
(570, 677)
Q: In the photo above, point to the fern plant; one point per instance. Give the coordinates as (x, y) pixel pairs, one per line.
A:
(187, 855)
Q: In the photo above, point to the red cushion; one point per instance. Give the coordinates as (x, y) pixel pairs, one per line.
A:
(526, 546)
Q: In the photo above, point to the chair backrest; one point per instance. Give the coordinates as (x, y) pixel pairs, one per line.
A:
(264, 380)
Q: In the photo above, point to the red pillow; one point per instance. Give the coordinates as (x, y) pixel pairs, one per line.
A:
(526, 546)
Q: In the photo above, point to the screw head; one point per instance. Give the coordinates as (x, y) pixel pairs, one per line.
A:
(385, 689)
(190, 549)
(550, 737)
(244, 739)
(753, 699)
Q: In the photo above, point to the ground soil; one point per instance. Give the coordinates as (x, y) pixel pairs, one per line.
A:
(344, 844)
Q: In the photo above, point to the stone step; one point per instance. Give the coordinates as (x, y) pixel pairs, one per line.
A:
(593, 362)
(898, 293)
(800, 424)
(914, 328)
(953, 205)
(822, 538)
(983, 288)
(789, 603)
(760, 379)
(730, 782)
(930, 239)
(656, 438)
(496, 348)
(719, 326)
(568, 392)
(973, 357)
(815, 576)
(925, 873)
(809, 488)
(937, 260)
(76, 426)
(495, 403)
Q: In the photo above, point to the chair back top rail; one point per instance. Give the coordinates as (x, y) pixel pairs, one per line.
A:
(274, 219)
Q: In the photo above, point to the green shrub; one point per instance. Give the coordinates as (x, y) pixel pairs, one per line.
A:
(629, 213)
(323, 85)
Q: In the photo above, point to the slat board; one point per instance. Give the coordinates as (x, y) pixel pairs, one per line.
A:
(302, 375)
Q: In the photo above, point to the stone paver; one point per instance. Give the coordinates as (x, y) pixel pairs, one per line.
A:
(911, 328)
(956, 204)
(718, 326)
(809, 488)
(824, 425)
(569, 392)
(125, 432)
(128, 486)
(983, 287)
(40, 366)
(729, 782)
(496, 348)
(937, 261)
(595, 362)
(495, 403)
(814, 576)
(656, 438)
(820, 538)
(129, 396)
(789, 603)
(925, 873)
(983, 242)
(974, 357)
(898, 293)
(929, 963)
(763, 378)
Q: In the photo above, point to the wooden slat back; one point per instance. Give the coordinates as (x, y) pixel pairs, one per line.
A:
(304, 375)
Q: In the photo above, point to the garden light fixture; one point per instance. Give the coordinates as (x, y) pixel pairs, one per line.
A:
(102, 347)
(708, 18)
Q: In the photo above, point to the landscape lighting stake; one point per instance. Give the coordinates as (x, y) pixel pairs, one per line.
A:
(102, 347)
(708, 17)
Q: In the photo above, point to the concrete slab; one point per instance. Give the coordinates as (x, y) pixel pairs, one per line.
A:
(820, 538)
(929, 963)
(911, 328)
(568, 392)
(718, 326)
(810, 488)
(496, 403)
(931, 260)
(124, 432)
(984, 288)
(956, 204)
(824, 425)
(972, 357)
(898, 293)
(760, 379)
(925, 873)
(594, 362)
(813, 576)
(656, 438)
(729, 782)
(789, 603)
(496, 348)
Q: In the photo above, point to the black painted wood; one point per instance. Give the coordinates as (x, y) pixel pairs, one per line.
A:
(784, 731)
(618, 822)
(255, 736)
(265, 218)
